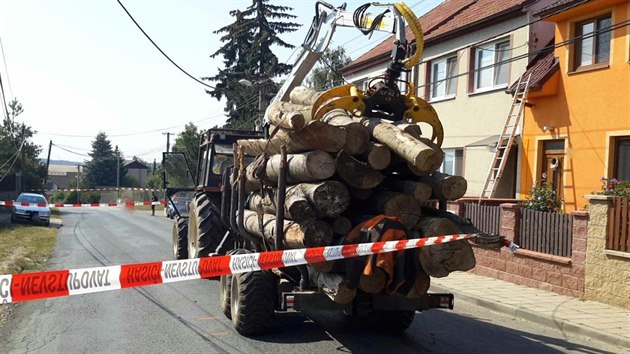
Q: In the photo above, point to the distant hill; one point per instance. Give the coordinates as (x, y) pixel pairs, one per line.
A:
(60, 162)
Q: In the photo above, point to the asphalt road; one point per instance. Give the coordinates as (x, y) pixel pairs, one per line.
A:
(184, 317)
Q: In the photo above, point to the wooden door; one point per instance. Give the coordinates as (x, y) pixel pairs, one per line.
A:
(553, 164)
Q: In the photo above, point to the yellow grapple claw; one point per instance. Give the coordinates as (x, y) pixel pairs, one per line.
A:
(347, 97)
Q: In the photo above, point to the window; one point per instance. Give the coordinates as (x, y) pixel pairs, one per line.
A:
(490, 67)
(453, 162)
(443, 83)
(592, 44)
(621, 167)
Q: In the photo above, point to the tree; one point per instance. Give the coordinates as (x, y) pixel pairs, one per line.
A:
(17, 152)
(101, 170)
(327, 73)
(247, 54)
(188, 142)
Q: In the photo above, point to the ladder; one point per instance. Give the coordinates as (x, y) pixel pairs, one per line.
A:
(506, 139)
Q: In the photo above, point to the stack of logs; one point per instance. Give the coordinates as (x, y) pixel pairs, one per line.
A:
(341, 169)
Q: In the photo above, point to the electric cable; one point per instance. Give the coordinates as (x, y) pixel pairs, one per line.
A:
(160, 50)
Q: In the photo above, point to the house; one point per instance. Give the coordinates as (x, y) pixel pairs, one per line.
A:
(578, 127)
(137, 169)
(473, 50)
(62, 176)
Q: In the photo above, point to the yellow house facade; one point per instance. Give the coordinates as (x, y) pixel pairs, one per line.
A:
(577, 128)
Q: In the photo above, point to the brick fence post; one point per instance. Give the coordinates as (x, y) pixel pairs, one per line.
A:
(511, 221)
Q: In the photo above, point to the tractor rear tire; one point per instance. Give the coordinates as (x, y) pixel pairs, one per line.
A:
(205, 230)
(252, 302)
(180, 238)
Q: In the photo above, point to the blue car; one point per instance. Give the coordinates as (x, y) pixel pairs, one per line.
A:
(180, 203)
(32, 214)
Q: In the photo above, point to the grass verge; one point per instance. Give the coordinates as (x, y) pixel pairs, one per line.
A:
(24, 248)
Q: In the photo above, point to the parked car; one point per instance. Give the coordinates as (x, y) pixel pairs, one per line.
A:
(34, 214)
(180, 203)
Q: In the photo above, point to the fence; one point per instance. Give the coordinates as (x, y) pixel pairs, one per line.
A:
(619, 225)
(544, 232)
(487, 218)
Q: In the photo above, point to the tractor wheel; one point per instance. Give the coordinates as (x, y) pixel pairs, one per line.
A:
(180, 238)
(226, 295)
(205, 230)
(252, 302)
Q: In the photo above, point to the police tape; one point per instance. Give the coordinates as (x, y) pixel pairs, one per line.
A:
(43, 285)
(81, 205)
(122, 189)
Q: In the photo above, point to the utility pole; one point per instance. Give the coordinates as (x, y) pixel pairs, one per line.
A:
(117, 176)
(168, 140)
(47, 163)
(154, 165)
(78, 178)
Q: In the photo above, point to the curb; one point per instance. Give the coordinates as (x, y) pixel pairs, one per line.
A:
(563, 325)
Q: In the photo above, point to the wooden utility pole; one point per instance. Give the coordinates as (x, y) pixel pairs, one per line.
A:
(168, 141)
(47, 163)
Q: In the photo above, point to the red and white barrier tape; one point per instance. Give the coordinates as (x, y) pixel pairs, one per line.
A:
(43, 285)
(80, 205)
(98, 189)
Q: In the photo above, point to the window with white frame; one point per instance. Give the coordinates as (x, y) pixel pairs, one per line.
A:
(443, 80)
(491, 69)
(453, 162)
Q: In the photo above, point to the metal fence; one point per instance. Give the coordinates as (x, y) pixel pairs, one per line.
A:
(546, 232)
(485, 217)
(619, 225)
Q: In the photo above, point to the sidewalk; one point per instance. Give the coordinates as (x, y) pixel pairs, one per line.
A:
(570, 315)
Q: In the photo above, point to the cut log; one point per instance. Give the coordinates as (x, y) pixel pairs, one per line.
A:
(420, 286)
(341, 225)
(314, 233)
(441, 259)
(305, 167)
(356, 173)
(373, 283)
(304, 96)
(357, 136)
(446, 186)
(421, 153)
(360, 193)
(288, 115)
(307, 201)
(378, 156)
(333, 285)
(316, 135)
(296, 205)
(397, 204)
(418, 190)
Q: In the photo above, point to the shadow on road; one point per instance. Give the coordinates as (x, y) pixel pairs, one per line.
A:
(433, 331)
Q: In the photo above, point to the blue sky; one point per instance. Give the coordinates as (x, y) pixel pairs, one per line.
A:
(80, 67)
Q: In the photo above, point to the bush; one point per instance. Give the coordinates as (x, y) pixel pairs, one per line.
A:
(615, 187)
(543, 198)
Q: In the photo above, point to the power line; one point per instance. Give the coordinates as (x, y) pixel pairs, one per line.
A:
(161, 51)
(5, 68)
(621, 24)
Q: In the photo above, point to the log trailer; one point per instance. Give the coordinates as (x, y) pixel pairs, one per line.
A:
(224, 220)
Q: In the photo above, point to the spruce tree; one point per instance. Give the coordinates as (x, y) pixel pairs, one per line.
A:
(247, 54)
(101, 169)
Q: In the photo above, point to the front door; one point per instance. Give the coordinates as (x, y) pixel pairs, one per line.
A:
(553, 162)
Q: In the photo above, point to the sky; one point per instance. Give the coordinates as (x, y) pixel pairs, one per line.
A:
(82, 67)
